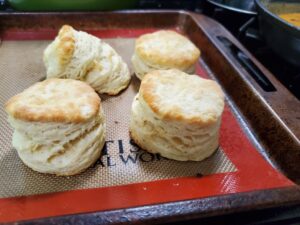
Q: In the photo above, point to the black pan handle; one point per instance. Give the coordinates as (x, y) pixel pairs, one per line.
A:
(248, 64)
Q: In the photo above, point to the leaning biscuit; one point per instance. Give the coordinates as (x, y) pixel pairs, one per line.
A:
(177, 115)
(164, 50)
(81, 56)
(59, 126)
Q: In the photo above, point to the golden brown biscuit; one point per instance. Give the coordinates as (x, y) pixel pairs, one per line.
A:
(164, 50)
(177, 115)
(81, 56)
(59, 126)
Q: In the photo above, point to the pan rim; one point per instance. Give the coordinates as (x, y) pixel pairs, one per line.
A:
(233, 8)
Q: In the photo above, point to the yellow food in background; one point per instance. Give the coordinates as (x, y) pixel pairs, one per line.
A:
(293, 18)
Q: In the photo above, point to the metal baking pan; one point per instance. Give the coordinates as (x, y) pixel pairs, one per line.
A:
(256, 166)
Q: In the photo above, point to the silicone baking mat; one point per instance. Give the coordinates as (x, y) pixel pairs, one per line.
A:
(125, 174)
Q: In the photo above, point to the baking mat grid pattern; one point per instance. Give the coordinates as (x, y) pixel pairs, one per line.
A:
(121, 163)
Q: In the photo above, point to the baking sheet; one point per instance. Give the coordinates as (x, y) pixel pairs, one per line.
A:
(121, 163)
(112, 183)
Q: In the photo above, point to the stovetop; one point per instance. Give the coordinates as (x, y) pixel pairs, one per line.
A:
(246, 29)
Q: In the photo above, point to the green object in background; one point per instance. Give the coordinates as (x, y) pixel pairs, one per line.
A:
(71, 5)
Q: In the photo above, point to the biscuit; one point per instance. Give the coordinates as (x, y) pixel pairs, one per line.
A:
(81, 56)
(177, 115)
(59, 126)
(164, 50)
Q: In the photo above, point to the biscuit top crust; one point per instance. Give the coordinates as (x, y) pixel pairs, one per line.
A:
(65, 44)
(176, 96)
(63, 47)
(55, 100)
(166, 49)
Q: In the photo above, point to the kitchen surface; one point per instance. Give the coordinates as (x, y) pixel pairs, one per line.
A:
(102, 121)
